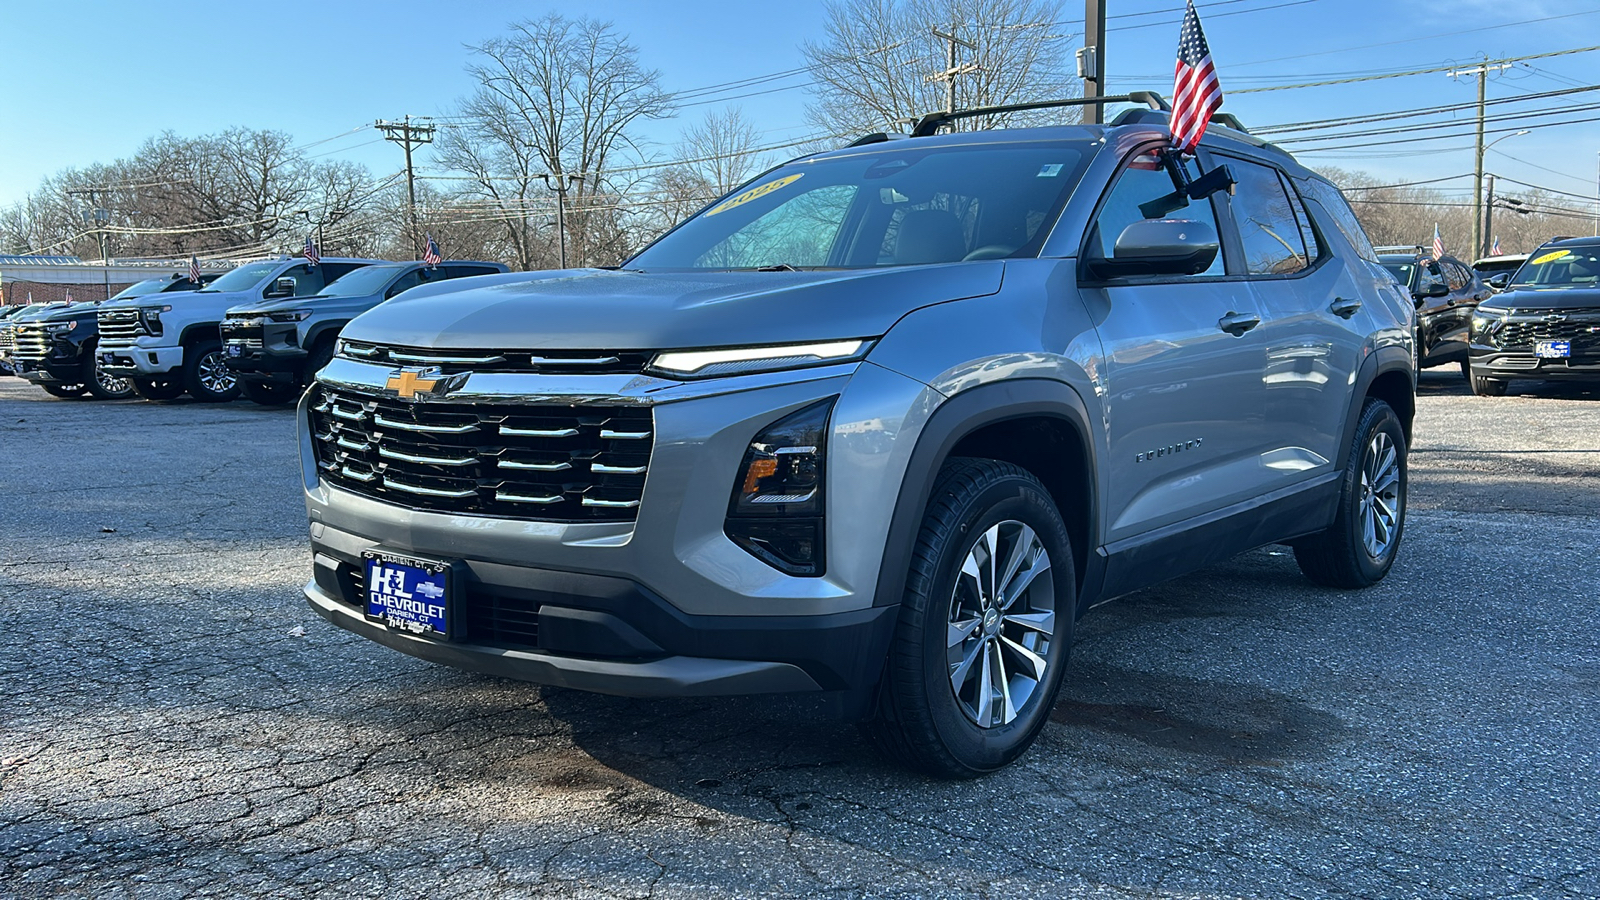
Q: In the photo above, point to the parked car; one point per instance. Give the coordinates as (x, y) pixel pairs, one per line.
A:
(275, 347)
(1445, 291)
(8, 325)
(1496, 271)
(878, 426)
(55, 349)
(1546, 325)
(171, 344)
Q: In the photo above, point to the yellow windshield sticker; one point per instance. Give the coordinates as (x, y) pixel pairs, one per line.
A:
(755, 193)
(1552, 256)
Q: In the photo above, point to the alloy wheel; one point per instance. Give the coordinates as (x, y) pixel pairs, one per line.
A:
(1001, 620)
(215, 375)
(112, 384)
(1381, 498)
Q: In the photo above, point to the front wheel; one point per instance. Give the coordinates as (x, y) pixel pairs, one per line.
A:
(1360, 547)
(156, 389)
(271, 393)
(984, 628)
(102, 384)
(206, 375)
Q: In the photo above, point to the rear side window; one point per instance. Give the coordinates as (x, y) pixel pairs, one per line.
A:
(468, 271)
(1271, 235)
(1344, 218)
(1308, 234)
(1455, 275)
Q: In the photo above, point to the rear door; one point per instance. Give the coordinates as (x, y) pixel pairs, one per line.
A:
(1184, 401)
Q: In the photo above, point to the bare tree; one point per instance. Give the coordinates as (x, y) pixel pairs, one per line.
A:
(876, 65)
(714, 156)
(557, 97)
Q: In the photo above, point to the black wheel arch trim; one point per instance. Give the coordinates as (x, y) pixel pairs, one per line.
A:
(320, 332)
(955, 419)
(199, 333)
(1381, 361)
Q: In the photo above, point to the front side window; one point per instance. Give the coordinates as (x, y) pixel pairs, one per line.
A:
(1144, 191)
(307, 280)
(1272, 239)
(892, 204)
(241, 279)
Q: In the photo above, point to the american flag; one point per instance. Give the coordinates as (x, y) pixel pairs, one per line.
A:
(1495, 250)
(431, 255)
(311, 252)
(1195, 91)
(194, 268)
(1438, 242)
(69, 295)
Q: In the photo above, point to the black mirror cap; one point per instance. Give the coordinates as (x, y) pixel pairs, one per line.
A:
(1499, 280)
(1160, 247)
(1432, 291)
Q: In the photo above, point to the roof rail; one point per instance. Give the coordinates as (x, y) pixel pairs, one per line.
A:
(877, 137)
(932, 122)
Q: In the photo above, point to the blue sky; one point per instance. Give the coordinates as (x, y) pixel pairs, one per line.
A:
(90, 81)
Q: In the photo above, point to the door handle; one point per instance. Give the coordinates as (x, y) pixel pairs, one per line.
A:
(1238, 323)
(1344, 308)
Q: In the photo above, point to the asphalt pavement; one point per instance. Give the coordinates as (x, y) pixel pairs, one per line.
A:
(176, 722)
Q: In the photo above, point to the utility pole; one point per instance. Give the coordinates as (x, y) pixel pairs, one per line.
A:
(951, 70)
(410, 137)
(1092, 60)
(1488, 220)
(559, 183)
(100, 217)
(1482, 71)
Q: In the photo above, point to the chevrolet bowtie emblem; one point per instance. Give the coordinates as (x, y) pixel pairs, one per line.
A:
(410, 384)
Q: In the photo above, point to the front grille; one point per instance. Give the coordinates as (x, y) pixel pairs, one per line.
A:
(550, 462)
(544, 362)
(120, 328)
(483, 617)
(247, 330)
(30, 343)
(247, 343)
(8, 341)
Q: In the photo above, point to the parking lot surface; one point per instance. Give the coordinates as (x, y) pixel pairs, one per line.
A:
(176, 722)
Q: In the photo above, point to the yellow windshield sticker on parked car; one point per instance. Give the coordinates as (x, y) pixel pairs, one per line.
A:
(1552, 256)
(755, 193)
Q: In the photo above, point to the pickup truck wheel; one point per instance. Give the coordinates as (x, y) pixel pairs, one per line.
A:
(1360, 547)
(206, 375)
(102, 384)
(158, 390)
(63, 389)
(981, 643)
(271, 393)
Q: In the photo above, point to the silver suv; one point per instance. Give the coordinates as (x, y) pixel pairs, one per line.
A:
(879, 425)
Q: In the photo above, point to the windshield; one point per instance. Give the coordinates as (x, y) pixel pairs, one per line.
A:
(242, 278)
(887, 205)
(1568, 267)
(151, 286)
(362, 282)
(1401, 271)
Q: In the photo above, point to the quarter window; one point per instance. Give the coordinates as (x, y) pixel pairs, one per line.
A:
(1271, 235)
(1344, 218)
(1139, 190)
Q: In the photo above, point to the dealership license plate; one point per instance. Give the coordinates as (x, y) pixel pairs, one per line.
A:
(409, 594)
(235, 350)
(1553, 349)
(109, 359)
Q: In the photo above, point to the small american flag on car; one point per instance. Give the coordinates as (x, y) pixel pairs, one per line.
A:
(1438, 242)
(1495, 250)
(194, 268)
(1195, 91)
(311, 252)
(431, 255)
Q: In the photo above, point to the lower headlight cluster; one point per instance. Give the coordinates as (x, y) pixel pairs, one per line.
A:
(776, 512)
(1485, 322)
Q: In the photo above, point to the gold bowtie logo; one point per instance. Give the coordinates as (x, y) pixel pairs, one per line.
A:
(407, 383)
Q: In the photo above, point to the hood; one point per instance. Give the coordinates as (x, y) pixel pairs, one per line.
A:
(1545, 298)
(79, 311)
(158, 299)
(262, 307)
(590, 309)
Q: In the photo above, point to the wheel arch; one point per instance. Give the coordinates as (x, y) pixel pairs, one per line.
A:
(1387, 375)
(1040, 425)
(199, 332)
(324, 331)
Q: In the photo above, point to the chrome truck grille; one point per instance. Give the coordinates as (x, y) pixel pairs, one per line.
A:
(30, 343)
(119, 328)
(551, 362)
(549, 462)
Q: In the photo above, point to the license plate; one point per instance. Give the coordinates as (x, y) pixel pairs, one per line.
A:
(1553, 349)
(235, 350)
(409, 594)
(108, 359)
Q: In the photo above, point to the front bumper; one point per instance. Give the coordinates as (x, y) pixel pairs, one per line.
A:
(264, 352)
(665, 604)
(136, 360)
(1490, 362)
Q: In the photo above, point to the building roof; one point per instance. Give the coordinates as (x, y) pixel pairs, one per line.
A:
(34, 260)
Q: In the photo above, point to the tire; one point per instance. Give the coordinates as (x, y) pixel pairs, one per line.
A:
(950, 643)
(1358, 550)
(102, 384)
(1485, 387)
(271, 393)
(156, 390)
(1466, 370)
(66, 390)
(206, 375)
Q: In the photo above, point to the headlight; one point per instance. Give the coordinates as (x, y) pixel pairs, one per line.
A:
(743, 360)
(290, 315)
(775, 513)
(1487, 321)
(60, 327)
(151, 317)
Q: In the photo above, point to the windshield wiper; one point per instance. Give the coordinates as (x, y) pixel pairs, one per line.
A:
(780, 267)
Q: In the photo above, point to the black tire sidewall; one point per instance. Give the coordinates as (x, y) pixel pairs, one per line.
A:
(270, 393)
(156, 392)
(1377, 417)
(980, 749)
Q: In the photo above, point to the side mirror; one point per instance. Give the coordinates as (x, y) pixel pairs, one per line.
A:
(1159, 247)
(1432, 291)
(1499, 280)
(283, 287)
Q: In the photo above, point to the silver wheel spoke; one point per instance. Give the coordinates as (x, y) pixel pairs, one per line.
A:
(1031, 663)
(962, 671)
(985, 698)
(960, 631)
(1021, 549)
(991, 545)
(1017, 589)
(1008, 710)
(1042, 622)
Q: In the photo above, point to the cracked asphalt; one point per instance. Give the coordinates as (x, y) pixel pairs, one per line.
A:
(176, 722)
